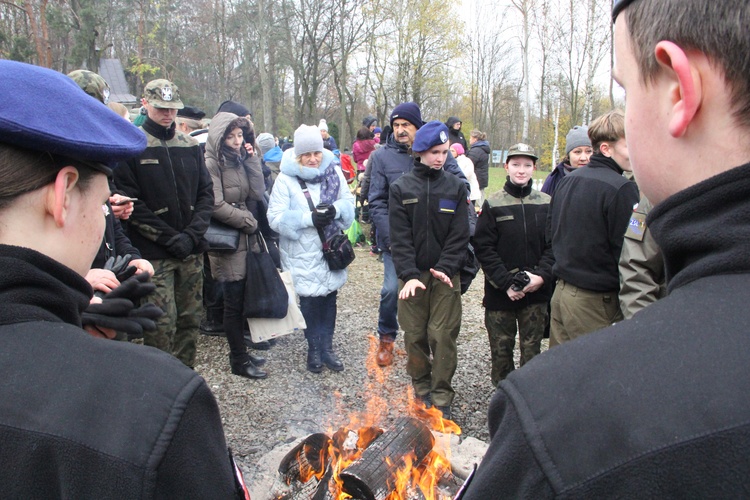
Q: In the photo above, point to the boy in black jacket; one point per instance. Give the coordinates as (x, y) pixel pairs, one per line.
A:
(429, 235)
(589, 215)
(516, 256)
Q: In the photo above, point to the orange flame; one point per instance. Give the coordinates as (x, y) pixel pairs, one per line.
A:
(349, 441)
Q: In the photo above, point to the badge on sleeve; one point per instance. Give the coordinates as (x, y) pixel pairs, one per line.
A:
(448, 206)
(636, 227)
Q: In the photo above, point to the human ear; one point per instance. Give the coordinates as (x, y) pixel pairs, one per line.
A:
(685, 91)
(606, 149)
(59, 197)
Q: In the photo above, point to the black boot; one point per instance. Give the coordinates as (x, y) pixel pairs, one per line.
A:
(247, 369)
(329, 357)
(257, 360)
(314, 362)
(258, 346)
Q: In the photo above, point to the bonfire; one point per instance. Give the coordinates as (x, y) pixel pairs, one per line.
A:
(364, 459)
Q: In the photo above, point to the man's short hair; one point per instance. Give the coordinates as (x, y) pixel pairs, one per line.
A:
(610, 127)
(718, 28)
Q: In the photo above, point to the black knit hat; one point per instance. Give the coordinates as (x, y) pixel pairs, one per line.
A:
(408, 111)
(234, 107)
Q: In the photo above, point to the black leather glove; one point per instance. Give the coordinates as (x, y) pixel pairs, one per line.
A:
(180, 245)
(121, 266)
(118, 312)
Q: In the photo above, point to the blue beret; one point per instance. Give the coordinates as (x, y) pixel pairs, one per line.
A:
(430, 134)
(34, 116)
(618, 7)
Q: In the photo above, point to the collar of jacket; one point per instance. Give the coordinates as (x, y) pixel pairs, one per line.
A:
(598, 160)
(401, 148)
(703, 230)
(422, 170)
(517, 191)
(35, 287)
(163, 133)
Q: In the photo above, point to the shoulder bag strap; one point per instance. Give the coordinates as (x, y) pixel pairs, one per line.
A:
(306, 192)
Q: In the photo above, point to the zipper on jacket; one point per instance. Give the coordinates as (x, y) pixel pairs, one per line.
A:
(174, 184)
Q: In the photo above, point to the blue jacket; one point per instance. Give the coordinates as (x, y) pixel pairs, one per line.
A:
(289, 214)
(387, 164)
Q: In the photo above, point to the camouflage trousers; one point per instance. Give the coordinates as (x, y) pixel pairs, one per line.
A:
(502, 326)
(431, 321)
(179, 287)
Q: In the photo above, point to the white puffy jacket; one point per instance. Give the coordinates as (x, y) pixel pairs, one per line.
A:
(289, 214)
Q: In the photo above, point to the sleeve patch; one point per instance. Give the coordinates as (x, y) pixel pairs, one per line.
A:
(636, 227)
(410, 201)
(448, 206)
(503, 218)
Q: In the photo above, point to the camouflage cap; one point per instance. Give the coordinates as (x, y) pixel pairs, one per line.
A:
(522, 149)
(162, 93)
(91, 83)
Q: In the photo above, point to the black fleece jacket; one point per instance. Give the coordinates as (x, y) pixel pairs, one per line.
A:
(511, 237)
(655, 406)
(428, 217)
(174, 191)
(588, 216)
(82, 417)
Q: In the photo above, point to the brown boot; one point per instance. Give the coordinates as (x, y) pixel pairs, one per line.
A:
(385, 353)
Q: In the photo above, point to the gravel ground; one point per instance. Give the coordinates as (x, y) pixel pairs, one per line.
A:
(261, 415)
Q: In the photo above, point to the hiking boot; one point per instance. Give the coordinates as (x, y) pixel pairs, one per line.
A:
(446, 410)
(213, 328)
(425, 400)
(385, 353)
(314, 361)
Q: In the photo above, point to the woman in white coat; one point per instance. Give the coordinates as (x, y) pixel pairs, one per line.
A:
(301, 247)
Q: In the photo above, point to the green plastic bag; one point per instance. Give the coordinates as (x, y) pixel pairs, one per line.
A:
(354, 233)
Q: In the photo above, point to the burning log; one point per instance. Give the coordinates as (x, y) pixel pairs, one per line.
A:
(372, 476)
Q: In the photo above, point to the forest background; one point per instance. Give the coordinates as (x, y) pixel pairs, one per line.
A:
(519, 70)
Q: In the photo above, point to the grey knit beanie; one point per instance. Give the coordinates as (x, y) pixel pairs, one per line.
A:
(265, 142)
(307, 139)
(577, 137)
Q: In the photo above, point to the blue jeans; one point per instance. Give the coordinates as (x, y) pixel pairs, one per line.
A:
(387, 314)
(320, 316)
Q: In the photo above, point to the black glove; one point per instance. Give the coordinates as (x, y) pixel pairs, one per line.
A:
(180, 245)
(121, 266)
(323, 215)
(118, 312)
(330, 209)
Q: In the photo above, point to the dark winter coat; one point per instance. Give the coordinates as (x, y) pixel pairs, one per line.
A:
(511, 237)
(388, 163)
(173, 188)
(655, 406)
(589, 215)
(82, 417)
(115, 241)
(553, 179)
(455, 136)
(238, 187)
(480, 155)
(429, 222)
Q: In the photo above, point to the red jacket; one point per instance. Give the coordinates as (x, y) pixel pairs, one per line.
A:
(361, 151)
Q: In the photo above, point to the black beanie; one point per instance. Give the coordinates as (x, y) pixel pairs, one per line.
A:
(234, 107)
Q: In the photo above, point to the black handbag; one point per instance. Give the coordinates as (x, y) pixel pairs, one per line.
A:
(221, 237)
(337, 250)
(265, 293)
